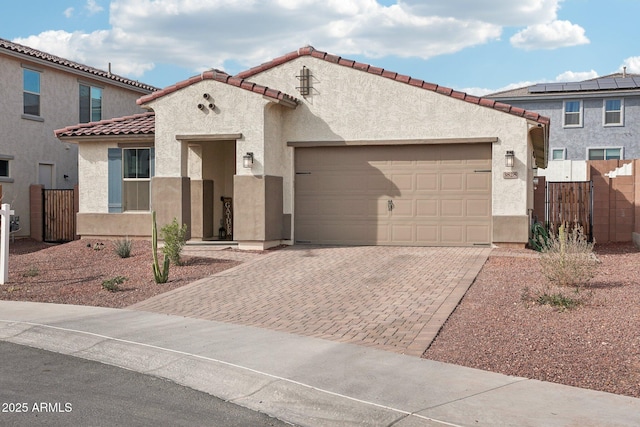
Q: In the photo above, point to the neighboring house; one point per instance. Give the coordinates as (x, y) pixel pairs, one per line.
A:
(313, 148)
(597, 119)
(39, 93)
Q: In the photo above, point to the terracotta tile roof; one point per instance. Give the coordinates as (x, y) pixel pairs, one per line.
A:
(137, 124)
(223, 77)
(15, 48)
(310, 51)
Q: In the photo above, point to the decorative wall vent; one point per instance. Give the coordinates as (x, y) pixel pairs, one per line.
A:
(305, 81)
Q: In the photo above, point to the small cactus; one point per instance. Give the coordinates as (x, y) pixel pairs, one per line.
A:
(158, 276)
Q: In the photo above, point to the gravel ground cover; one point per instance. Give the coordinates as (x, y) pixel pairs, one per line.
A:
(73, 273)
(595, 345)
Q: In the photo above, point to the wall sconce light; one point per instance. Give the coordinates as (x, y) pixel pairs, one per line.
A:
(65, 176)
(536, 181)
(509, 158)
(247, 160)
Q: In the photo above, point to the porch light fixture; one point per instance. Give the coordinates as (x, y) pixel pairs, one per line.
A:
(509, 158)
(247, 160)
(536, 181)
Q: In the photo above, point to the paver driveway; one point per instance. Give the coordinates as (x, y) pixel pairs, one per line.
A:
(391, 298)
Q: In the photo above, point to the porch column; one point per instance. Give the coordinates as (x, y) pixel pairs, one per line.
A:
(257, 211)
(171, 198)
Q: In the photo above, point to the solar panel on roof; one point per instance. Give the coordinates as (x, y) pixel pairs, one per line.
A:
(589, 86)
(626, 83)
(555, 88)
(572, 86)
(539, 88)
(607, 84)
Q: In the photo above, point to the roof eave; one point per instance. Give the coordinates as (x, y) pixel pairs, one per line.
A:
(76, 139)
(49, 64)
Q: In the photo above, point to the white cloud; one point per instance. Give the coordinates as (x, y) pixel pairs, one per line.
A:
(68, 12)
(500, 12)
(551, 35)
(632, 63)
(214, 33)
(94, 49)
(576, 76)
(93, 7)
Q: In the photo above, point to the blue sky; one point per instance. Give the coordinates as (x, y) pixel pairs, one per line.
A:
(477, 46)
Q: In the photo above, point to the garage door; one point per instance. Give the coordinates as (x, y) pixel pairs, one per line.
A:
(413, 195)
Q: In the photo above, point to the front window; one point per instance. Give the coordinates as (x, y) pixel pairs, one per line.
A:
(90, 104)
(4, 168)
(604, 154)
(136, 178)
(572, 114)
(558, 154)
(613, 112)
(31, 92)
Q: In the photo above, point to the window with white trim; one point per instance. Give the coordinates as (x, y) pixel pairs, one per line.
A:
(572, 116)
(5, 168)
(90, 104)
(130, 173)
(613, 112)
(31, 92)
(604, 153)
(558, 154)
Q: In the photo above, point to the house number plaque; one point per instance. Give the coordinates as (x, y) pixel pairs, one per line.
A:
(510, 175)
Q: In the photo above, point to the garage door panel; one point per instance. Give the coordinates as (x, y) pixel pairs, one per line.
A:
(427, 208)
(452, 234)
(428, 234)
(480, 182)
(478, 208)
(452, 208)
(451, 182)
(403, 208)
(477, 232)
(427, 181)
(438, 196)
(402, 182)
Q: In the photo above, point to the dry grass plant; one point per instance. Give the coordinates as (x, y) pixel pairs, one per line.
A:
(567, 260)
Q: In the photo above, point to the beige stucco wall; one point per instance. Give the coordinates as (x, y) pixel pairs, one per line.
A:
(32, 141)
(236, 111)
(350, 105)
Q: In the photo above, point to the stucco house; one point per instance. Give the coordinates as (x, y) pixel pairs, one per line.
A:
(313, 148)
(595, 119)
(39, 93)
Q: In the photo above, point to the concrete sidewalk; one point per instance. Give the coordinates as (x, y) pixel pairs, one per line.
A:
(304, 380)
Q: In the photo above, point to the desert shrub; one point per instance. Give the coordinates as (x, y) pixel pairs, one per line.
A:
(555, 297)
(113, 285)
(123, 247)
(567, 258)
(539, 237)
(175, 237)
(33, 271)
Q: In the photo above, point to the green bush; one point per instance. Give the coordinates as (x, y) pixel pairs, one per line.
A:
(175, 237)
(123, 247)
(112, 285)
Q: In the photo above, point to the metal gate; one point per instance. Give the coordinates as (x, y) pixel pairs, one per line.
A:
(58, 216)
(570, 203)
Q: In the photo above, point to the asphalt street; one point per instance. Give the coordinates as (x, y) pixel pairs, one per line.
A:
(38, 387)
